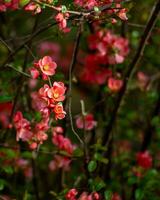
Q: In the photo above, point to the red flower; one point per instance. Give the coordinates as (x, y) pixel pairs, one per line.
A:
(144, 159)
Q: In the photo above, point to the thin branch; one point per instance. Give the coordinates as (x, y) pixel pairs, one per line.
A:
(33, 35)
(6, 45)
(71, 69)
(20, 72)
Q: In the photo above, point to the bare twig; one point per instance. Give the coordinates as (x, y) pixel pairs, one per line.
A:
(20, 72)
(71, 69)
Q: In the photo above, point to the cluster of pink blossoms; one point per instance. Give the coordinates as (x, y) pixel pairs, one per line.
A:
(108, 49)
(63, 144)
(117, 10)
(61, 18)
(34, 136)
(111, 49)
(53, 97)
(12, 4)
(47, 100)
(72, 193)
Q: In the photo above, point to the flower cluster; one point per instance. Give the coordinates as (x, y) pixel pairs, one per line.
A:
(88, 122)
(117, 10)
(72, 193)
(12, 4)
(47, 100)
(61, 18)
(53, 97)
(93, 71)
(111, 48)
(107, 49)
(34, 136)
(63, 144)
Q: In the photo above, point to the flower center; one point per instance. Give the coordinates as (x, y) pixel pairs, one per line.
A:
(46, 67)
(56, 95)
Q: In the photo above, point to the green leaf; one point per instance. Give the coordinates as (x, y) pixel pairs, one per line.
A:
(100, 158)
(92, 166)
(108, 195)
(99, 184)
(8, 169)
(78, 152)
(139, 194)
(1, 184)
(64, 9)
(96, 9)
(23, 3)
(5, 98)
(132, 180)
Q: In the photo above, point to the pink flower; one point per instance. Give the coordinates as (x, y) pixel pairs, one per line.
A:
(61, 18)
(89, 4)
(35, 8)
(22, 126)
(144, 159)
(38, 103)
(143, 80)
(114, 84)
(122, 14)
(89, 122)
(57, 130)
(59, 112)
(43, 91)
(34, 73)
(47, 65)
(62, 143)
(56, 93)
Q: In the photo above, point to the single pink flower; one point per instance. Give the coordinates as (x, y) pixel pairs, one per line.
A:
(59, 112)
(47, 65)
(115, 84)
(34, 73)
(57, 92)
